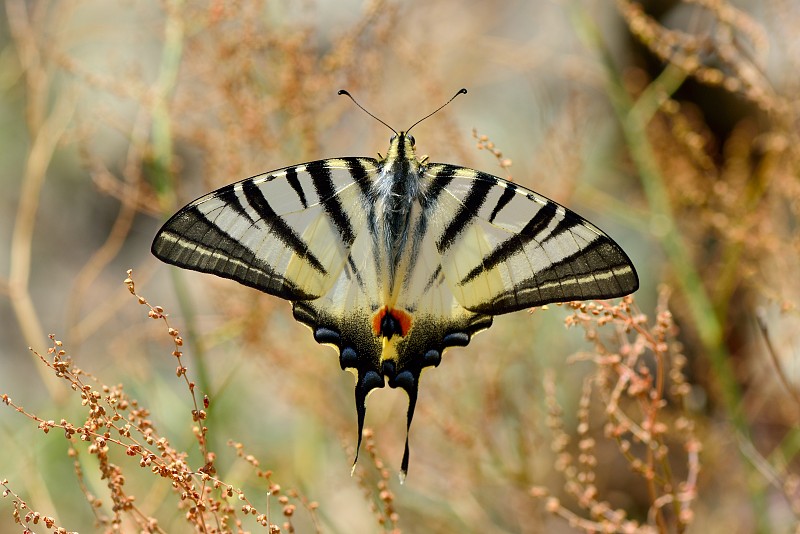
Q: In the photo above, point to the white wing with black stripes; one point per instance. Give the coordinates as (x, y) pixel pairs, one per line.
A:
(505, 248)
(392, 261)
(287, 233)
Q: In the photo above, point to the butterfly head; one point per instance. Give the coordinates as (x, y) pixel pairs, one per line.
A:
(401, 155)
(402, 150)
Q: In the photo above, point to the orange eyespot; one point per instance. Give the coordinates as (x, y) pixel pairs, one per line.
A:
(388, 322)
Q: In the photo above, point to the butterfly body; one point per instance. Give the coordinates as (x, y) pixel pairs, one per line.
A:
(392, 261)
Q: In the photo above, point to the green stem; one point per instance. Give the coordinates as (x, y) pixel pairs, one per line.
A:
(634, 117)
(162, 136)
(163, 179)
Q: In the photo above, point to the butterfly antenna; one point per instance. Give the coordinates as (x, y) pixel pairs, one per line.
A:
(344, 92)
(461, 91)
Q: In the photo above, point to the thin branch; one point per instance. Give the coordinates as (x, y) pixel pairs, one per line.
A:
(776, 363)
(46, 130)
(119, 230)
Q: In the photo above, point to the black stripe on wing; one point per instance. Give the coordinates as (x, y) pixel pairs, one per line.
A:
(514, 244)
(429, 200)
(294, 182)
(436, 277)
(229, 197)
(360, 174)
(600, 270)
(351, 265)
(441, 175)
(278, 227)
(508, 194)
(189, 239)
(321, 177)
(466, 212)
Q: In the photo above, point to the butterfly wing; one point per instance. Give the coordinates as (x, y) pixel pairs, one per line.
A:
(296, 233)
(287, 232)
(504, 248)
(474, 246)
(479, 246)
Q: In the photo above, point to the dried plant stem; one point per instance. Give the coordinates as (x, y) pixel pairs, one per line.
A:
(728, 279)
(24, 515)
(703, 312)
(116, 236)
(635, 401)
(162, 135)
(45, 130)
(634, 117)
(776, 361)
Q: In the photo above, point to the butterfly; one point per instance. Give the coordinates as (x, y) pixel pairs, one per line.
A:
(393, 260)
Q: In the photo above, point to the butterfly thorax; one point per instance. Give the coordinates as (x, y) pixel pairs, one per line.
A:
(397, 189)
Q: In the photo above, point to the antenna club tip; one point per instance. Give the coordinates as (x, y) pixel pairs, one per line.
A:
(343, 92)
(462, 91)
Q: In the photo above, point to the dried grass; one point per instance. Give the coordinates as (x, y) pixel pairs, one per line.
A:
(686, 415)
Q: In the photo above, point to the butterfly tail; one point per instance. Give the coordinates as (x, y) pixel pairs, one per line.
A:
(367, 381)
(412, 402)
(407, 380)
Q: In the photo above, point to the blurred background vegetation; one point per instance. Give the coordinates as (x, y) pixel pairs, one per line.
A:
(672, 125)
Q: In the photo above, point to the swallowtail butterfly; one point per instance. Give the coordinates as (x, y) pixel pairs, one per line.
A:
(393, 260)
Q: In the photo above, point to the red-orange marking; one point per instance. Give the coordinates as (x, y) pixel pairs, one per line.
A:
(401, 316)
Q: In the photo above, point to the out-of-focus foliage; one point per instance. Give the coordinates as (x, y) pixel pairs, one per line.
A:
(672, 125)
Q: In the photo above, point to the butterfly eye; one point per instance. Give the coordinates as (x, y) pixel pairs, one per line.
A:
(413, 141)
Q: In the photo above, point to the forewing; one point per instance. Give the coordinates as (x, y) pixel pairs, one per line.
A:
(287, 233)
(505, 248)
